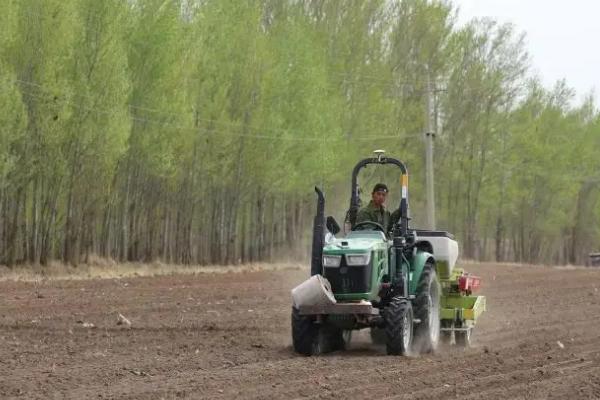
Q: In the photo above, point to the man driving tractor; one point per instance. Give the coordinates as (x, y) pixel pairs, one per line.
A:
(376, 212)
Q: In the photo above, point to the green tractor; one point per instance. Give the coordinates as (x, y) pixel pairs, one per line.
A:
(402, 285)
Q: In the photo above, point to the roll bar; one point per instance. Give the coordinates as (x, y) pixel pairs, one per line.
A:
(400, 226)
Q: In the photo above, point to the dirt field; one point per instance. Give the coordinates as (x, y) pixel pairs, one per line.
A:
(216, 336)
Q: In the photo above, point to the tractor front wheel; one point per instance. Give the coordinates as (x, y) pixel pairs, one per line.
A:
(378, 336)
(399, 326)
(305, 334)
(311, 338)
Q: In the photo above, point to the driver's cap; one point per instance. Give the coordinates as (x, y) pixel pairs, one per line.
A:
(380, 187)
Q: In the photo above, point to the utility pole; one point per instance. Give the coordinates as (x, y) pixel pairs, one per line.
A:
(429, 135)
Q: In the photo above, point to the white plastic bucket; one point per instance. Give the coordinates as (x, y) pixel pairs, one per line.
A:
(445, 251)
(314, 291)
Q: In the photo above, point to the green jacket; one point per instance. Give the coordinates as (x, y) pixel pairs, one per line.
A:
(374, 214)
(377, 214)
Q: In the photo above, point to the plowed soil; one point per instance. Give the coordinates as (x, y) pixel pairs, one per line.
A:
(227, 336)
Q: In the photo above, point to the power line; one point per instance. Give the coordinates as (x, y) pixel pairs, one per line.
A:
(162, 112)
(283, 133)
(258, 136)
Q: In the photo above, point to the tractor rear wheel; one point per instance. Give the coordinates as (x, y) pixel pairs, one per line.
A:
(399, 326)
(427, 309)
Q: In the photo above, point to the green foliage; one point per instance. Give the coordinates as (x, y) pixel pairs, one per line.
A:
(194, 131)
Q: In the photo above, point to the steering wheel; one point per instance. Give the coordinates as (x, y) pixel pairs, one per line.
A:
(376, 225)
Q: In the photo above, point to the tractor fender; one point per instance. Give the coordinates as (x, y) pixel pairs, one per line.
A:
(416, 267)
(424, 245)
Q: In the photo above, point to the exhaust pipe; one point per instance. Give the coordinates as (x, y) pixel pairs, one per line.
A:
(318, 239)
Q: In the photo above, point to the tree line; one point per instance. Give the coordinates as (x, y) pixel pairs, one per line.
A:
(193, 131)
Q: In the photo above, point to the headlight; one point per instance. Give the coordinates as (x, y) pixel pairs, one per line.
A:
(358, 259)
(332, 261)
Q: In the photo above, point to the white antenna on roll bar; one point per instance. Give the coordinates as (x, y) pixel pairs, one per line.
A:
(380, 154)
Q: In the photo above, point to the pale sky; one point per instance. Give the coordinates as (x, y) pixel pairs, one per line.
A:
(562, 36)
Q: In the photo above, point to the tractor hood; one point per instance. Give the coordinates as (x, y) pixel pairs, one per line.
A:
(355, 242)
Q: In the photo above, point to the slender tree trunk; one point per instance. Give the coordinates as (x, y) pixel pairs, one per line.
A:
(12, 237)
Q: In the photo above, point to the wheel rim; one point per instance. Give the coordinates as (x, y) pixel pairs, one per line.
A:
(434, 315)
(407, 331)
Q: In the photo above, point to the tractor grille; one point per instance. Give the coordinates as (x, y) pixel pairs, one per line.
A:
(346, 280)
